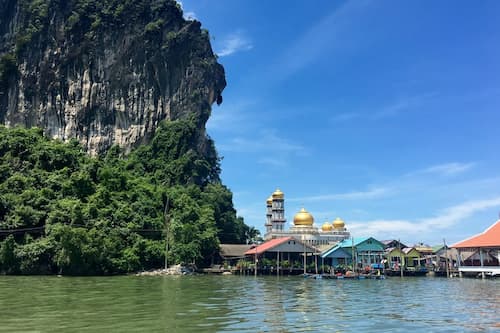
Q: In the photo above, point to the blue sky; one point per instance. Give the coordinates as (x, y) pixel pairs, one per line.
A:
(384, 113)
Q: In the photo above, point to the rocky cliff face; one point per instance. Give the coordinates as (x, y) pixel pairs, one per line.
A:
(104, 72)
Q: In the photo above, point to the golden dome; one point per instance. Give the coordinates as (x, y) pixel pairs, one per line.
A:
(269, 201)
(303, 218)
(338, 223)
(327, 226)
(278, 194)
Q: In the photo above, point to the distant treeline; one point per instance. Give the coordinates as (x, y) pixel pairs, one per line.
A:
(62, 211)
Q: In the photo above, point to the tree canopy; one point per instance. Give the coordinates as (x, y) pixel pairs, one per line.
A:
(62, 211)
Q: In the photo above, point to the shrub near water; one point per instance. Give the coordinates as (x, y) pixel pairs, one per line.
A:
(62, 211)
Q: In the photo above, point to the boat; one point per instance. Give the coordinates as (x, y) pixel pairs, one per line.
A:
(312, 276)
(410, 271)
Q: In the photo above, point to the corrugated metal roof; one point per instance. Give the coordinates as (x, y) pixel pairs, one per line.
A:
(346, 243)
(489, 238)
(234, 250)
(357, 240)
(271, 244)
(407, 250)
(336, 252)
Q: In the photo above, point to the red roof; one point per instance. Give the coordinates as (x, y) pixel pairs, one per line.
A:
(268, 245)
(489, 238)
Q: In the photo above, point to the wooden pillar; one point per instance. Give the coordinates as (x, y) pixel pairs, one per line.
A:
(305, 257)
(459, 262)
(255, 268)
(482, 262)
(316, 262)
(278, 263)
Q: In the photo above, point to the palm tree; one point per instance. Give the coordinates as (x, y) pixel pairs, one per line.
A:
(251, 235)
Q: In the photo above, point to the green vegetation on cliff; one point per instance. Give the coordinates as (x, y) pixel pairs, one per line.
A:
(62, 211)
(85, 19)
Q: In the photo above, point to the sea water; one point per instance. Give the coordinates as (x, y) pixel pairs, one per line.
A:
(247, 304)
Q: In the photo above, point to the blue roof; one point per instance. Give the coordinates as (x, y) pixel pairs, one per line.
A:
(346, 243)
(336, 252)
(355, 240)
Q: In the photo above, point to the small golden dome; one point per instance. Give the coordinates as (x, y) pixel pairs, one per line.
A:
(278, 194)
(338, 223)
(269, 201)
(327, 226)
(303, 218)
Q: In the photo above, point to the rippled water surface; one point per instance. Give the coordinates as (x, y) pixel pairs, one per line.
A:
(247, 304)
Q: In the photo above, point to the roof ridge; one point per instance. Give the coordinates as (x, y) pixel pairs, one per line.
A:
(478, 235)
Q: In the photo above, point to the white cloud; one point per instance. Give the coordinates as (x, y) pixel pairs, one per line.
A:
(398, 106)
(233, 117)
(264, 143)
(276, 161)
(267, 148)
(235, 42)
(329, 32)
(449, 169)
(190, 16)
(369, 194)
(410, 229)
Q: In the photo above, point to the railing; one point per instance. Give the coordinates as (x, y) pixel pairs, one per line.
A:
(493, 270)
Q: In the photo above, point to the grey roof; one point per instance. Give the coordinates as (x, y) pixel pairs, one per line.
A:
(407, 250)
(387, 242)
(234, 250)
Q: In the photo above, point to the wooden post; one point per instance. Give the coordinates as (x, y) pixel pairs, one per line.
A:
(316, 262)
(482, 262)
(459, 263)
(304, 242)
(400, 258)
(255, 268)
(352, 254)
(446, 259)
(278, 264)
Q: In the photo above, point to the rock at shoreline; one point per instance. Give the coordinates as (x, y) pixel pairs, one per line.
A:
(173, 270)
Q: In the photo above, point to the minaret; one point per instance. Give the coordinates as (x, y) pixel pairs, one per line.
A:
(269, 214)
(278, 211)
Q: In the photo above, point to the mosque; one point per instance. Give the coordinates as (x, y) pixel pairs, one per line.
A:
(303, 225)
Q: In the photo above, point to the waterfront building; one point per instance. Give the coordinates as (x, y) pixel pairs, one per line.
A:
(407, 257)
(443, 258)
(283, 254)
(423, 249)
(303, 225)
(365, 251)
(230, 254)
(480, 254)
(393, 243)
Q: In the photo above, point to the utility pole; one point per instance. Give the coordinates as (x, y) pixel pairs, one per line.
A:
(166, 216)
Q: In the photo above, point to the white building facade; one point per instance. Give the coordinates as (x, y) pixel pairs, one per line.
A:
(303, 224)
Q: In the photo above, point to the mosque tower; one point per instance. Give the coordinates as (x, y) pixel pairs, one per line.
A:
(278, 211)
(269, 215)
(303, 224)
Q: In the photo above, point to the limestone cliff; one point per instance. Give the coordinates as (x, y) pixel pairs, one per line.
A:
(104, 71)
